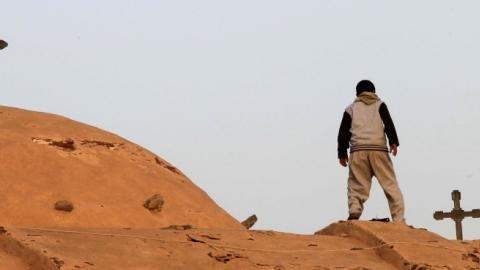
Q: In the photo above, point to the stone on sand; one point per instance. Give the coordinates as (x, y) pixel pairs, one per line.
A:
(64, 205)
(154, 203)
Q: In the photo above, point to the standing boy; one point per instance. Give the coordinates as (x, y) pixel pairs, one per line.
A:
(364, 126)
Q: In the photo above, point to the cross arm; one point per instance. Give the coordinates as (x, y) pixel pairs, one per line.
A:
(439, 215)
(457, 214)
(475, 213)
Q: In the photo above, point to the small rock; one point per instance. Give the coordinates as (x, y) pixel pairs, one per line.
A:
(420, 267)
(225, 257)
(59, 263)
(179, 227)
(249, 222)
(67, 144)
(268, 233)
(167, 166)
(471, 257)
(64, 205)
(211, 237)
(154, 203)
(195, 239)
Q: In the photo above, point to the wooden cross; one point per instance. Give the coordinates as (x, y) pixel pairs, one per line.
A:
(457, 213)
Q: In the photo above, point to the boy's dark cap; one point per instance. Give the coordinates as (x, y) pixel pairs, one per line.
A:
(365, 86)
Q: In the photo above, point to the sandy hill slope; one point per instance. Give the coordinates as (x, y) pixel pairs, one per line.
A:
(346, 245)
(47, 158)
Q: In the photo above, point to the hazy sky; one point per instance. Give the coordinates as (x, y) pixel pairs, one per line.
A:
(246, 96)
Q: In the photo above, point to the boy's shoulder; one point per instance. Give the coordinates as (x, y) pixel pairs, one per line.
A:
(349, 109)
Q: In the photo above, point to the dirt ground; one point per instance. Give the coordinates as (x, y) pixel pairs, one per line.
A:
(345, 245)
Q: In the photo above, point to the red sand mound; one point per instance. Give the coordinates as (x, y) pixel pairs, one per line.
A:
(94, 178)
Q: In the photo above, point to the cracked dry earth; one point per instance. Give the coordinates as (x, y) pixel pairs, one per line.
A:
(345, 245)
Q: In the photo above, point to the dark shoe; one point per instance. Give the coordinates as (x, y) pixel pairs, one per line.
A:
(380, 219)
(354, 217)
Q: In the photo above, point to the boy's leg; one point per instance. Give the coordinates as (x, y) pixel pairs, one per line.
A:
(383, 170)
(359, 182)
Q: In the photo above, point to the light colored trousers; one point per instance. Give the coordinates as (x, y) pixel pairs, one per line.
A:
(363, 166)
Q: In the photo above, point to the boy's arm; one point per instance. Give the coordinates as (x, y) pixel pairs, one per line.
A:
(344, 136)
(389, 126)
